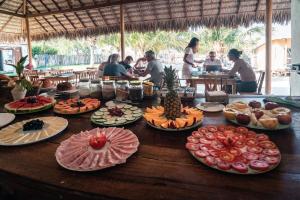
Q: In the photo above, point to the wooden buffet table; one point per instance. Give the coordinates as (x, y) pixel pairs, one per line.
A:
(161, 169)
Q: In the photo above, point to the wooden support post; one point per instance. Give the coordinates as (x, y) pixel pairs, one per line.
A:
(268, 21)
(27, 30)
(28, 40)
(122, 31)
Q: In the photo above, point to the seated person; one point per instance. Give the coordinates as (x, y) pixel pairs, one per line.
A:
(154, 68)
(126, 63)
(115, 69)
(248, 78)
(102, 65)
(212, 63)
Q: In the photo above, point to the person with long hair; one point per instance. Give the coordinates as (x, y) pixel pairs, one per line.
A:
(188, 59)
(247, 82)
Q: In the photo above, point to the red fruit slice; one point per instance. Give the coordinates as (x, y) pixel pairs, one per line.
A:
(203, 130)
(239, 144)
(201, 153)
(217, 145)
(242, 130)
(272, 160)
(213, 153)
(212, 129)
(235, 151)
(191, 139)
(192, 146)
(259, 165)
(230, 128)
(262, 137)
(204, 141)
(197, 134)
(254, 149)
(209, 160)
(267, 144)
(271, 152)
(226, 156)
(221, 128)
(209, 136)
(240, 167)
(250, 156)
(251, 134)
(251, 142)
(223, 165)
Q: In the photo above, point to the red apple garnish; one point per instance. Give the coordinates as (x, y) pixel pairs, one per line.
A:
(98, 141)
(284, 119)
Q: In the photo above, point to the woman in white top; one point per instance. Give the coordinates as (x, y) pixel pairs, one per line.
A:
(188, 59)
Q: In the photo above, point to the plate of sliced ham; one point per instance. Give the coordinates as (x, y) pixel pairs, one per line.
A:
(97, 149)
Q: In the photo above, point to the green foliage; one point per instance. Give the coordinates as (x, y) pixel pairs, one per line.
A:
(19, 67)
(43, 49)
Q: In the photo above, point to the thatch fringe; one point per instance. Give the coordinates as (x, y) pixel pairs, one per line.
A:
(231, 21)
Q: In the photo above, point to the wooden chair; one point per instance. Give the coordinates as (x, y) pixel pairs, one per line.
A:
(92, 74)
(259, 82)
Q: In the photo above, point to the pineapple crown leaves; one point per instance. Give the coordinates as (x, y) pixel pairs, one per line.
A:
(170, 77)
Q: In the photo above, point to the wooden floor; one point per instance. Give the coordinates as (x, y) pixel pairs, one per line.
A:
(161, 169)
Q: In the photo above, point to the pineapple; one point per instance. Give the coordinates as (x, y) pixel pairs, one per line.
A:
(172, 102)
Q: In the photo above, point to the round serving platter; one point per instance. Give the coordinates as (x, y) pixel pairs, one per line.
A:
(210, 107)
(197, 124)
(250, 172)
(221, 147)
(23, 112)
(279, 126)
(13, 135)
(6, 118)
(131, 114)
(119, 146)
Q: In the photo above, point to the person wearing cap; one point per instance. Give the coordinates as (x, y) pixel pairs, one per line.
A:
(113, 68)
(247, 82)
(154, 68)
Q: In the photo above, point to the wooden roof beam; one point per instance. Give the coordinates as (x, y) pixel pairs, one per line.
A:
(238, 7)
(75, 14)
(169, 9)
(61, 24)
(59, 8)
(220, 7)
(257, 6)
(184, 8)
(104, 20)
(86, 7)
(29, 2)
(202, 8)
(11, 13)
(88, 14)
(10, 18)
(2, 2)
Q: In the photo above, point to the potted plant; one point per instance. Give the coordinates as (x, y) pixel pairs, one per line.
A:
(22, 84)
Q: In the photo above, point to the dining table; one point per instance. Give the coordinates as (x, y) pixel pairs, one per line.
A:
(162, 168)
(219, 78)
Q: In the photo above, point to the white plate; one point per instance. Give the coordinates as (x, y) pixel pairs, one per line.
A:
(13, 135)
(6, 118)
(211, 107)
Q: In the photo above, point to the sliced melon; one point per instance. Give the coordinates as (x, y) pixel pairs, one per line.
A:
(180, 122)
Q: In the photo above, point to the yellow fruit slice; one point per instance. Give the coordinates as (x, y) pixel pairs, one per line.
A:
(158, 121)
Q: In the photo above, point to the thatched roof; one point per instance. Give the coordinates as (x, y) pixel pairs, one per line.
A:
(75, 18)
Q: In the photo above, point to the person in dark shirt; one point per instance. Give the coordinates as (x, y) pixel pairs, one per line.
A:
(126, 63)
(115, 69)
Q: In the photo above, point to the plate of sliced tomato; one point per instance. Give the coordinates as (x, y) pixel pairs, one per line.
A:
(234, 149)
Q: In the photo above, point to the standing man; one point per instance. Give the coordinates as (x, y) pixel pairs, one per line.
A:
(154, 68)
(212, 63)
